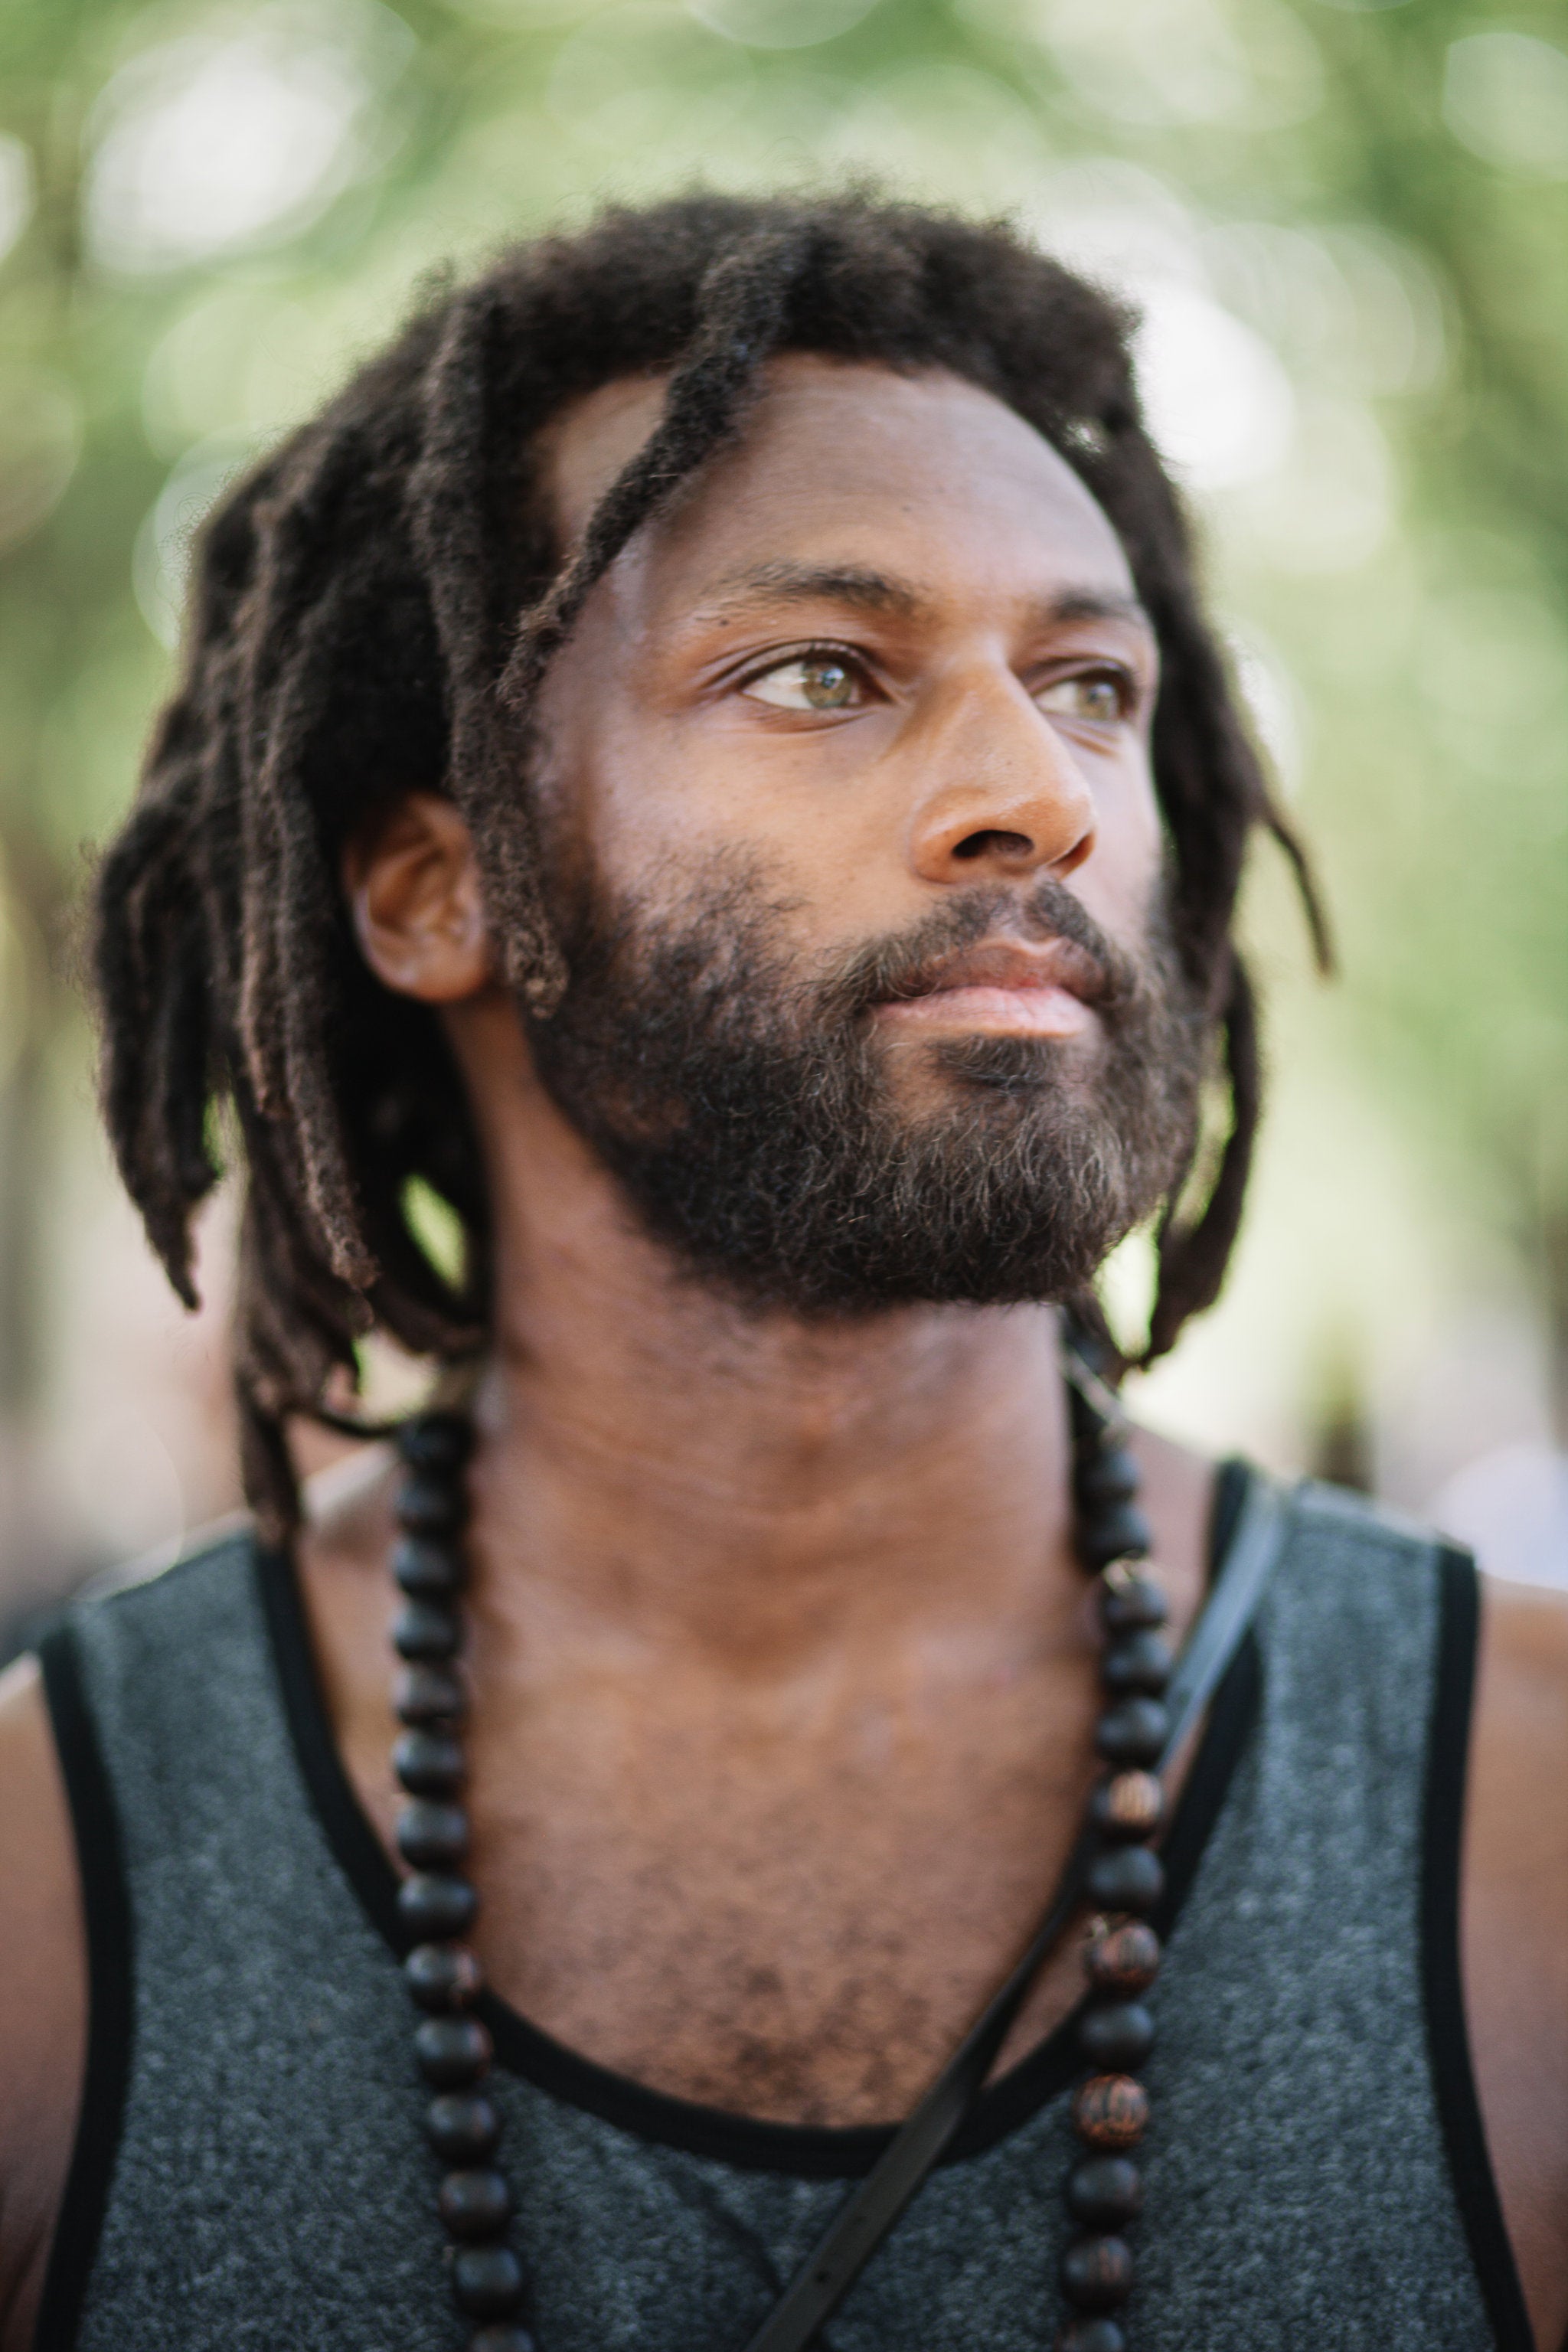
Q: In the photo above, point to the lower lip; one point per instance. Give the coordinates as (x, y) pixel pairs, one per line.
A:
(992, 1011)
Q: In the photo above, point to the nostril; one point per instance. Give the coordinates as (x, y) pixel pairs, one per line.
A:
(994, 843)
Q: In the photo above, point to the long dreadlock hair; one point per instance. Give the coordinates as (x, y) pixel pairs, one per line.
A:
(372, 610)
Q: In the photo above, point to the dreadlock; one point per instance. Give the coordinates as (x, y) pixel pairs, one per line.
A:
(372, 611)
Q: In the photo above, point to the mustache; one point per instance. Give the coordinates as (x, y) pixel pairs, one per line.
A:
(908, 963)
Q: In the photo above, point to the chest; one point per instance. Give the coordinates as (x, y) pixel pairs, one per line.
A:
(1293, 2055)
(789, 1911)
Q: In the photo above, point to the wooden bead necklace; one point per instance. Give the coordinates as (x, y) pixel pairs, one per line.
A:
(1125, 1880)
(438, 1904)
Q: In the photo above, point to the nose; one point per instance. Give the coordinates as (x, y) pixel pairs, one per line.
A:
(1003, 796)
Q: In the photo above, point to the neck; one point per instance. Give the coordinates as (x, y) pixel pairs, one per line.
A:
(683, 1471)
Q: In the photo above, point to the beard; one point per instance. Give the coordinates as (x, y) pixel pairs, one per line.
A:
(750, 1115)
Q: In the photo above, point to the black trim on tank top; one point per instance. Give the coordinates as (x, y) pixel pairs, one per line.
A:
(810, 2152)
(1232, 1480)
(106, 1913)
(1448, 2036)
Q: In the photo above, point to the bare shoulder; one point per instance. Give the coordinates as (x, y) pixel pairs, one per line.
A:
(1516, 1846)
(1516, 1834)
(43, 1997)
(1524, 1657)
(1515, 1927)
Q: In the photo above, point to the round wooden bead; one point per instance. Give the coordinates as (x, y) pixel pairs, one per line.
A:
(475, 2203)
(1096, 2272)
(429, 1763)
(1116, 2035)
(1125, 1960)
(1134, 1732)
(1111, 2111)
(436, 1441)
(502, 2338)
(427, 1505)
(1136, 1662)
(1105, 2192)
(432, 1836)
(463, 2128)
(1092, 2335)
(442, 1976)
(1120, 1532)
(429, 1694)
(428, 1570)
(486, 2282)
(453, 2052)
(1126, 1878)
(1129, 1603)
(1128, 1805)
(424, 1630)
(435, 1905)
(1106, 1476)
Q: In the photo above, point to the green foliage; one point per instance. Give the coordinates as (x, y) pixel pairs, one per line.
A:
(1349, 224)
(438, 1230)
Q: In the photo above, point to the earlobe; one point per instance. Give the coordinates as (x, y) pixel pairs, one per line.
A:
(413, 885)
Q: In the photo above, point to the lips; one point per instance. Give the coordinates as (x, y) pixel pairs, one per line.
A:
(1011, 964)
(1005, 988)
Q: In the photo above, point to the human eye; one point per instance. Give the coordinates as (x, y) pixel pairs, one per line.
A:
(1103, 697)
(819, 679)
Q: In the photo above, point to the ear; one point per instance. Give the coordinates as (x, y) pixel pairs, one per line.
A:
(413, 884)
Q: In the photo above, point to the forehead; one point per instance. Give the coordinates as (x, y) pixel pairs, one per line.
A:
(838, 454)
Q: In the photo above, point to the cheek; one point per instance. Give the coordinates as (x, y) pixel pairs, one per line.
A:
(595, 784)
(655, 813)
(624, 794)
(654, 808)
(1117, 880)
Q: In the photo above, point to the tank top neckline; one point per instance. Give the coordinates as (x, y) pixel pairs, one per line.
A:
(800, 2150)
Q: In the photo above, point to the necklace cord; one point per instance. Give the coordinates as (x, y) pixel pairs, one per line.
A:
(1152, 1701)
(874, 2208)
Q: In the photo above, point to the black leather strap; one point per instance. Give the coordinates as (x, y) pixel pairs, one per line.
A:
(870, 2213)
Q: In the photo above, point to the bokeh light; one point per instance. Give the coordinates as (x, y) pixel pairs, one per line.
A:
(235, 134)
(1344, 225)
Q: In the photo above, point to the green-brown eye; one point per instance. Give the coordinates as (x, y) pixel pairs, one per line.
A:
(808, 682)
(1099, 695)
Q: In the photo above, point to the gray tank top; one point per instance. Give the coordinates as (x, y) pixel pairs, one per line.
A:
(250, 2171)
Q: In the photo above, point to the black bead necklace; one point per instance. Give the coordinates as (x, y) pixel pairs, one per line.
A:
(1126, 1877)
(438, 1904)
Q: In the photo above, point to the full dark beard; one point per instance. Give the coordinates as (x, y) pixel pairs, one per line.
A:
(749, 1119)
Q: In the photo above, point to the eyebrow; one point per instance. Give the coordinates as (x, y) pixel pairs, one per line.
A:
(1096, 604)
(781, 582)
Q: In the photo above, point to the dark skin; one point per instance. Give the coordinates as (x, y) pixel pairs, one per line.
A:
(783, 1677)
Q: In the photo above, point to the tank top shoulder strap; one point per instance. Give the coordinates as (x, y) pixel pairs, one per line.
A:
(125, 1671)
(1372, 1632)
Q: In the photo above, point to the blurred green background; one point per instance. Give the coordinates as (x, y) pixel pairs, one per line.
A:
(1347, 228)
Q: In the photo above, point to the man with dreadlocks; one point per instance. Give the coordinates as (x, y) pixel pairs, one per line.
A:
(706, 758)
